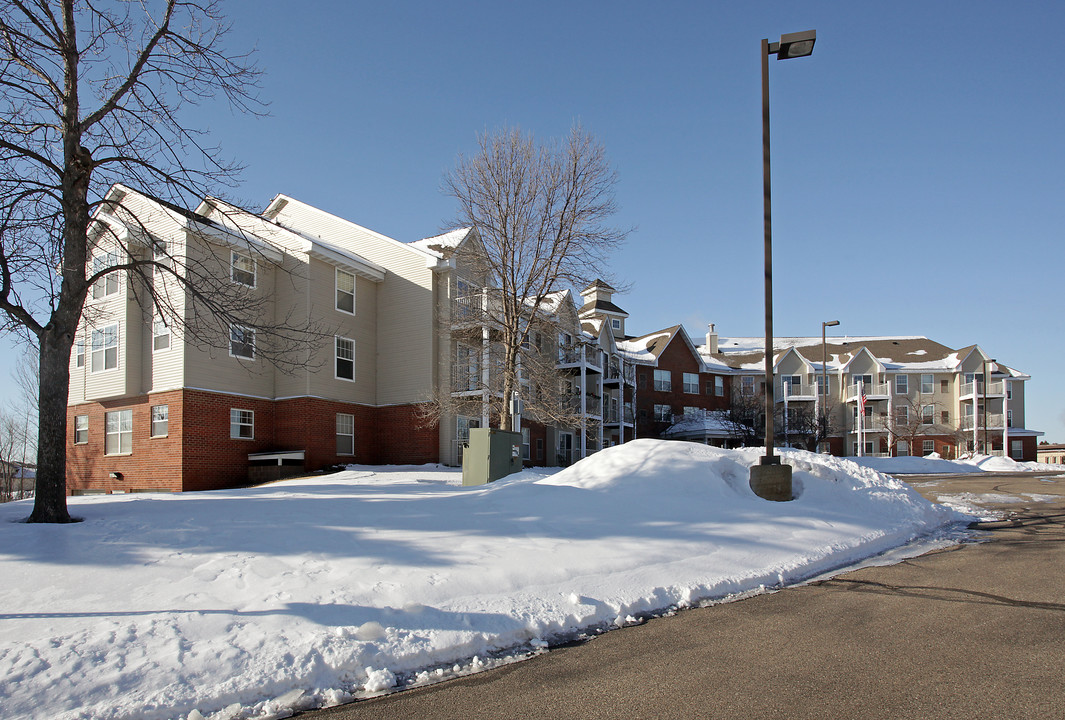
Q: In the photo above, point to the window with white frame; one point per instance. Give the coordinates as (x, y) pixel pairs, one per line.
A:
(345, 283)
(793, 383)
(1009, 418)
(1017, 449)
(902, 448)
(928, 384)
(160, 420)
(79, 353)
(747, 385)
(108, 284)
(81, 429)
(928, 414)
(822, 388)
(345, 434)
(241, 424)
(615, 324)
(902, 385)
(663, 380)
(345, 358)
(691, 383)
(241, 342)
(866, 380)
(160, 256)
(160, 335)
(242, 268)
(463, 425)
(719, 386)
(663, 413)
(902, 415)
(526, 443)
(928, 447)
(118, 432)
(104, 349)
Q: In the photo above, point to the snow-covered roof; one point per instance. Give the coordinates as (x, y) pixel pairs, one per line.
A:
(713, 423)
(443, 245)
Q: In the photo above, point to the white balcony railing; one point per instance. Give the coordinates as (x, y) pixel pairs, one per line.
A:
(874, 390)
(796, 391)
(968, 422)
(994, 388)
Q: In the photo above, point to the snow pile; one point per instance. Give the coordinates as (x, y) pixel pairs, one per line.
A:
(257, 602)
(933, 464)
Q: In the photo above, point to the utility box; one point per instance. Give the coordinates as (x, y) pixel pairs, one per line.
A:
(489, 455)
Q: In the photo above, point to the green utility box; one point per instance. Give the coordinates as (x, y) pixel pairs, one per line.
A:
(489, 455)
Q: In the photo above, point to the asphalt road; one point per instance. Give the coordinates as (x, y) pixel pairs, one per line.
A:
(976, 630)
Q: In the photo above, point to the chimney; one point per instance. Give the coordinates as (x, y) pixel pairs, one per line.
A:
(711, 340)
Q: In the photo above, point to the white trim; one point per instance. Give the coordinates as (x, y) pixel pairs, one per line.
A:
(336, 291)
(241, 424)
(336, 358)
(117, 347)
(244, 329)
(233, 255)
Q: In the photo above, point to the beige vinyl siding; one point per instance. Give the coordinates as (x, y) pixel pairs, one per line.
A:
(360, 327)
(212, 368)
(404, 301)
(1016, 403)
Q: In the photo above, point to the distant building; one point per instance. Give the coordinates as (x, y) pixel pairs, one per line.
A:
(1051, 453)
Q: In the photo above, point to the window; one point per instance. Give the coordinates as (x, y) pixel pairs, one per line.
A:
(928, 384)
(943, 386)
(1009, 418)
(928, 414)
(866, 380)
(902, 415)
(104, 349)
(663, 413)
(690, 411)
(902, 385)
(242, 269)
(242, 424)
(747, 385)
(663, 380)
(792, 384)
(108, 284)
(160, 335)
(467, 368)
(79, 353)
(902, 449)
(719, 386)
(345, 434)
(345, 283)
(615, 324)
(160, 256)
(1017, 449)
(81, 429)
(928, 447)
(822, 388)
(944, 417)
(118, 432)
(160, 420)
(241, 342)
(463, 425)
(526, 441)
(691, 383)
(1009, 390)
(345, 358)
(539, 448)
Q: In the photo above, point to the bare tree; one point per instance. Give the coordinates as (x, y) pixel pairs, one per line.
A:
(915, 417)
(96, 94)
(744, 416)
(540, 212)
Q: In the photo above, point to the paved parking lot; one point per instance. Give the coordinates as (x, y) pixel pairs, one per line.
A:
(975, 630)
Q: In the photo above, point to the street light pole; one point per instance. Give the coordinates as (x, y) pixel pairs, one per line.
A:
(824, 376)
(770, 479)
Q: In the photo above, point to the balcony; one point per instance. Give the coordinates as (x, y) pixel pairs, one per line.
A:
(876, 423)
(613, 416)
(875, 391)
(614, 374)
(569, 356)
(995, 388)
(796, 392)
(994, 422)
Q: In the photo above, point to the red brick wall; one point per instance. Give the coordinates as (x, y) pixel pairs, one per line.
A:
(678, 359)
(200, 454)
(403, 439)
(153, 464)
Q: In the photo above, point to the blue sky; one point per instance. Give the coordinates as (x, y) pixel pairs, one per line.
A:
(917, 155)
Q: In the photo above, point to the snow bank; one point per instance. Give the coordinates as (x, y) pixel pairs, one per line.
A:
(934, 465)
(258, 602)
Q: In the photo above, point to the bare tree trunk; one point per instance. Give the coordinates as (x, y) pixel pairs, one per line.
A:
(50, 500)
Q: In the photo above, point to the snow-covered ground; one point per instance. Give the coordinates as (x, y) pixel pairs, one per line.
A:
(933, 464)
(252, 603)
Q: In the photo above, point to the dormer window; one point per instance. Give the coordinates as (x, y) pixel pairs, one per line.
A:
(615, 324)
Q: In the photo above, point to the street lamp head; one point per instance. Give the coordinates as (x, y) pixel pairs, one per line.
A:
(831, 323)
(799, 44)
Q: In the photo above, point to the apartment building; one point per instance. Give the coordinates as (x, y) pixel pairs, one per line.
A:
(884, 395)
(163, 396)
